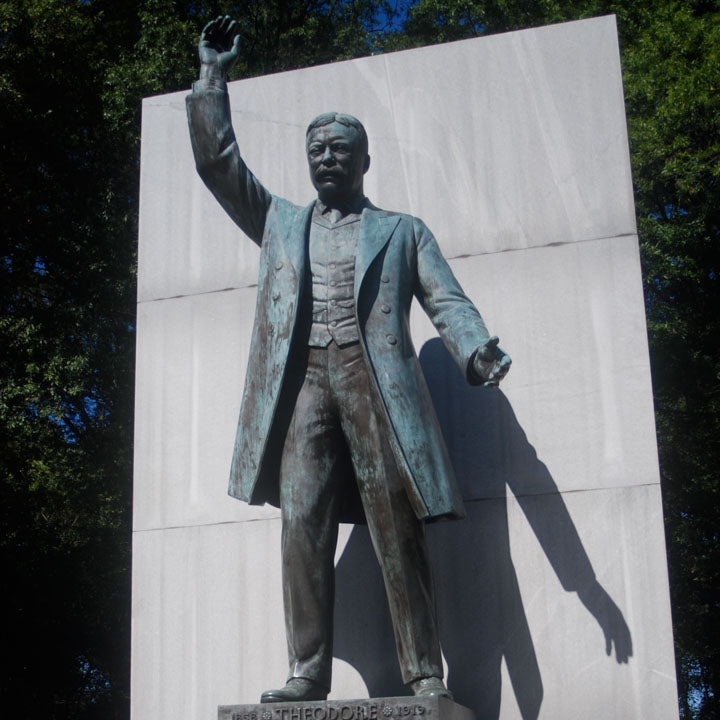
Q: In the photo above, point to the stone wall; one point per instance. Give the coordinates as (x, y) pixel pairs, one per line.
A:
(513, 149)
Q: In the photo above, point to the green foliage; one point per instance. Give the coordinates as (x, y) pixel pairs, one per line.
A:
(72, 75)
(672, 78)
(432, 21)
(66, 364)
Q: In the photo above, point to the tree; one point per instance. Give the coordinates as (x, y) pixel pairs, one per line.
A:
(66, 333)
(672, 79)
(72, 74)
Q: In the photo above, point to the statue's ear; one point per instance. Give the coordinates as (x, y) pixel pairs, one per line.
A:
(367, 164)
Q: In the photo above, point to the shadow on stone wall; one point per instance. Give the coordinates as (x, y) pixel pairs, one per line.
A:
(482, 620)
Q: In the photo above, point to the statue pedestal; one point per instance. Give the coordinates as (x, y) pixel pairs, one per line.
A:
(391, 708)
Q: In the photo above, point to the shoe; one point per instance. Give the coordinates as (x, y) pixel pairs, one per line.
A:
(296, 690)
(426, 687)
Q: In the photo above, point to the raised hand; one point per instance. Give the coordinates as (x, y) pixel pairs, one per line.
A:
(219, 47)
(491, 362)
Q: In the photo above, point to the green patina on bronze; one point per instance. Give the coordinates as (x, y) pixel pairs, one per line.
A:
(339, 426)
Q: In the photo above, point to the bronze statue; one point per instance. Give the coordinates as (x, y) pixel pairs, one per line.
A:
(336, 423)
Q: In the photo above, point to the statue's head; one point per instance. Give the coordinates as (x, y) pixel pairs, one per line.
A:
(337, 152)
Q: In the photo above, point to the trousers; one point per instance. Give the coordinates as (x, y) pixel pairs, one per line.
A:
(334, 424)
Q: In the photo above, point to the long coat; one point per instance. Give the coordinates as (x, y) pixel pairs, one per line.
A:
(397, 259)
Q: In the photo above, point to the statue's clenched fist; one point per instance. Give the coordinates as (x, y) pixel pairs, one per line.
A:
(491, 362)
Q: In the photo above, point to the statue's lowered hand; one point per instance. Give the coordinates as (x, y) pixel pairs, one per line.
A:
(219, 46)
(491, 362)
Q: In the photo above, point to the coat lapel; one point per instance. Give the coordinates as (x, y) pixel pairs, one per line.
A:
(376, 228)
(294, 240)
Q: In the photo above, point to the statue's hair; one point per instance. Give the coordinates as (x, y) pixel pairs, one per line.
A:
(343, 119)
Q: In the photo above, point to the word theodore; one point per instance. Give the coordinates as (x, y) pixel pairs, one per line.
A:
(309, 711)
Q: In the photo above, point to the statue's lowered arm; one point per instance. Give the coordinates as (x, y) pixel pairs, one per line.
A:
(455, 317)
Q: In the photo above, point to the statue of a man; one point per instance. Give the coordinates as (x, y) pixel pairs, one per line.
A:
(336, 421)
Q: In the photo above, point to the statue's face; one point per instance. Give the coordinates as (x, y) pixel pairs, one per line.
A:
(337, 162)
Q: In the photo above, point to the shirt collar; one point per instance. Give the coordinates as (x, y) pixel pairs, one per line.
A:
(355, 207)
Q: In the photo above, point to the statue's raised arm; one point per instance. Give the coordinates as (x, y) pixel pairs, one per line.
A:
(217, 155)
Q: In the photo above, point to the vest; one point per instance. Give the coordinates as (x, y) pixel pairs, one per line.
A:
(331, 252)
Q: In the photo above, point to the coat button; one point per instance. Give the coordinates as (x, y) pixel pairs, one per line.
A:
(333, 323)
(278, 265)
(392, 340)
(384, 278)
(385, 308)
